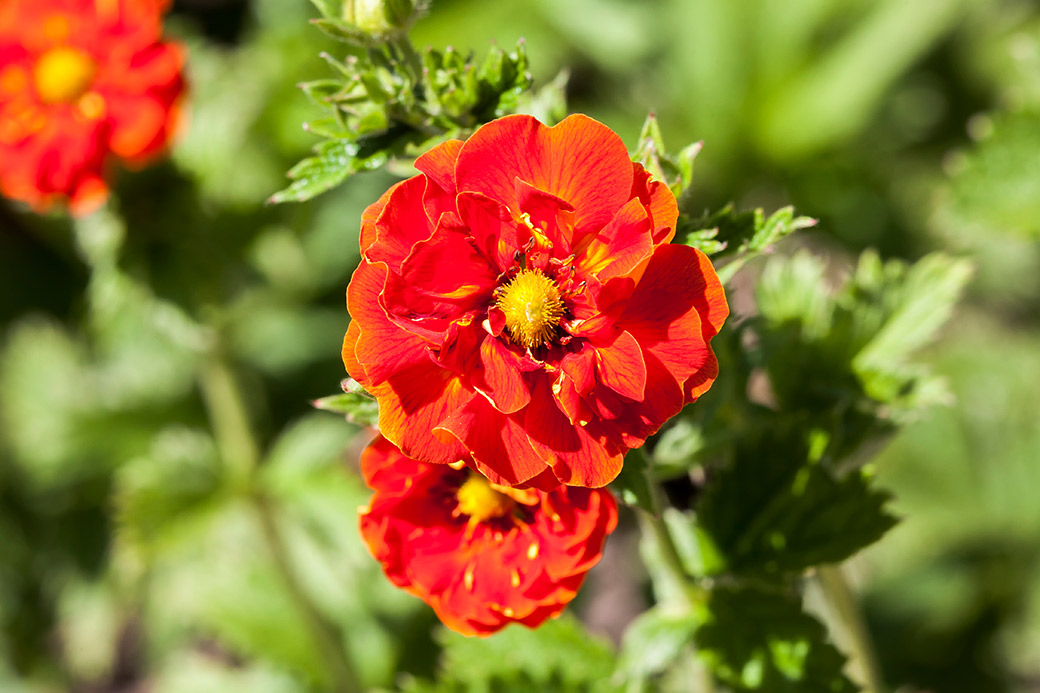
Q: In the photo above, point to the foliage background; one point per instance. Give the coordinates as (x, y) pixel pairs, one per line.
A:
(125, 559)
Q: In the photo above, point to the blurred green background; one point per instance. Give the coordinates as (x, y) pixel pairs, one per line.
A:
(126, 561)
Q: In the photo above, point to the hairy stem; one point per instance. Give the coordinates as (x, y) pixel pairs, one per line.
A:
(238, 448)
(326, 635)
(862, 658)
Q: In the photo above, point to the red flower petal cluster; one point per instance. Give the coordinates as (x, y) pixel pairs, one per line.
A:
(481, 555)
(81, 82)
(518, 305)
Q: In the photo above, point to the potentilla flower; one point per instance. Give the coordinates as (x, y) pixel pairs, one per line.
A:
(482, 555)
(82, 82)
(519, 306)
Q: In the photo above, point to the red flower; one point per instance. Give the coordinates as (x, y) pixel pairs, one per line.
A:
(518, 305)
(81, 82)
(481, 555)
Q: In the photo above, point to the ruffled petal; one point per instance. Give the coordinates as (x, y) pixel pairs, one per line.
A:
(504, 384)
(497, 442)
(620, 366)
(583, 455)
(401, 224)
(578, 160)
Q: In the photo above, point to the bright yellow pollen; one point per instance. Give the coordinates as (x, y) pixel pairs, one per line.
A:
(532, 306)
(480, 501)
(62, 75)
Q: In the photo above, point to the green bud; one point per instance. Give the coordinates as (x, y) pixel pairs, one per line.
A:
(379, 16)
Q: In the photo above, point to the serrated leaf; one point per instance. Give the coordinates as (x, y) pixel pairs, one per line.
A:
(736, 237)
(762, 641)
(923, 302)
(560, 656)
(772, 511)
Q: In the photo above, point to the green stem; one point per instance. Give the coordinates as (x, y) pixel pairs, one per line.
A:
(238, 448)
(227, 411)
(839, 596)
(653, 523)
(326, 635)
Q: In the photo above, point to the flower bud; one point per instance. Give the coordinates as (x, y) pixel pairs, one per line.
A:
(379, 16)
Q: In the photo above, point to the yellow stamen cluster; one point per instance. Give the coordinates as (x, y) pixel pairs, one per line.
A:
(62, 75)
(532, 307)
(480, 501)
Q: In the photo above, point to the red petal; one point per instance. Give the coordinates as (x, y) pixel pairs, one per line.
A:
(498, 443)
(660, 203)
(620, 246)
(491, 225)
(414, 393)
(438, 164)
(443, 278)
(620, 367)
(350, 362)
(579, 160)
(371, 214)
(665, 312)
(506, 387)
(583, 455)
(663, 400)
(402, 224)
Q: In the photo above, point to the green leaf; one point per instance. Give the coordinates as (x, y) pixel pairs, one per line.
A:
(762, 641)
(654, 641)
(342, 30)
(739, 236)
(995, 186)
(357, 405)
(633, 483)
(675, 171)
(560, 656)
(918, 301)
(772, 511)
(842, 356)
(161, 496)
(316, 174)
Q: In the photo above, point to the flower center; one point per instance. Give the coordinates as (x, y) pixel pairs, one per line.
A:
(63, 74)
(532, 307)
(480, 501)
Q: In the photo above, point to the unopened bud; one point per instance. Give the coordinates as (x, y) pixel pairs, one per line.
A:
(379, 16)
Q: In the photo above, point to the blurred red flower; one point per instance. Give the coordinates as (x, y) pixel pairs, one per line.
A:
(82, 82)
(481, 555)
(518, 305)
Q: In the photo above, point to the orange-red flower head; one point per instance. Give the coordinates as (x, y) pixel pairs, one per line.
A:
(519, 306)
(483, 556)
(81, 82)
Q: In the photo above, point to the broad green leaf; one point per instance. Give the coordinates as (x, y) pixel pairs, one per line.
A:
(762, 641)
(773, 511)
(560, 656)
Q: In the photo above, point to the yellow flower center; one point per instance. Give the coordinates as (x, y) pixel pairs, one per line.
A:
(532, 307)
(480, 501)
(64, 74)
